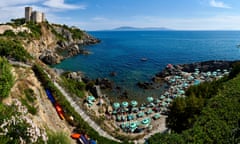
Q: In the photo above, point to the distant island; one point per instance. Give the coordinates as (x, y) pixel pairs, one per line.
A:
(129, 28)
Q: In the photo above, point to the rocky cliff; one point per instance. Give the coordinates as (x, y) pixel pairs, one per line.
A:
(51, 43)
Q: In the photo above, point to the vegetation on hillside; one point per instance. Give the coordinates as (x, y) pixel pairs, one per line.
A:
(78, 122)
(13, 129)
(209, 114)
(13, 49)
(73, 86)
(35, 29)
(6, 78)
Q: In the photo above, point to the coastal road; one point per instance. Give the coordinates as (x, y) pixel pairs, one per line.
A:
(84, 116)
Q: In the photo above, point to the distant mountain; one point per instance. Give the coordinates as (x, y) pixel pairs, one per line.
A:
(128, 28)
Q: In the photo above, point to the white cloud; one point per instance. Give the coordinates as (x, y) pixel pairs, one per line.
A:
(60, 4)
(218, 4)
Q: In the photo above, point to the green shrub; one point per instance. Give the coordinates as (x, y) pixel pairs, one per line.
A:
(74, 86)
(29, 93)
(58, 138)
(13, 49)
(6, 78)
(35, 29)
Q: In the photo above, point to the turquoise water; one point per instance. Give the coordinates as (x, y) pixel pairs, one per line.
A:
(121, 52)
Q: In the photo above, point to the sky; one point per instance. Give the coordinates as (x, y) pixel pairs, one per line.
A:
(109, 14)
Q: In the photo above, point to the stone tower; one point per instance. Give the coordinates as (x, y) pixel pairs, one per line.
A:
(28, 13)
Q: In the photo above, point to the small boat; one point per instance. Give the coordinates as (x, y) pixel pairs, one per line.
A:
(144, 59)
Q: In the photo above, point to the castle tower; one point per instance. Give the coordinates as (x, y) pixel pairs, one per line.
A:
(37, 17)
(43, 17)
(28, 13)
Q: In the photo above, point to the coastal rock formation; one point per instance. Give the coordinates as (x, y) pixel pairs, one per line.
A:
(75, 75)
(104, 83)
(190, 68)
(49, 57)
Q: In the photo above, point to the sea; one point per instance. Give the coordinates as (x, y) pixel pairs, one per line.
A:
(122, 52)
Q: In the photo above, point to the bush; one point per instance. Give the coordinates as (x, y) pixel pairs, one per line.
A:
(6, 78)
(58, 138)
(13, 49)
(35, 29)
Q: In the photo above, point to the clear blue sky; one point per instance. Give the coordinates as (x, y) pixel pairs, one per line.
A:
(108, 14)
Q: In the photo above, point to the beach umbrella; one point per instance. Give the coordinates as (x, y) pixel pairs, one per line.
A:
(146, 121)
(149, 99)
(169, 100)
(116, 105)
(196, 82)
(162, 97)
(134, 103)
(124, 104)
(90, 98)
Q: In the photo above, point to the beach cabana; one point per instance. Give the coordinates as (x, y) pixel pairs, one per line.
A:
(134, 103)
(116, 105)
(150, 99)
(125, 104)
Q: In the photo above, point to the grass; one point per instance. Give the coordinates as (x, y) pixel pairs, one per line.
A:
(57, 138)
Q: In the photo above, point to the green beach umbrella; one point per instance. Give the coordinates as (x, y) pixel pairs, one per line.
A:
(149, 99)
(134, 103)
(162, 97)
(146, 121)
(90, 98)
(125, 104)
(116, 105)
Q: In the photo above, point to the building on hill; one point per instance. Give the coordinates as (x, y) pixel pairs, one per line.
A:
(34, 16)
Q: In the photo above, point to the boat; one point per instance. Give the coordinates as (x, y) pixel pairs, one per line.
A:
(144, 59)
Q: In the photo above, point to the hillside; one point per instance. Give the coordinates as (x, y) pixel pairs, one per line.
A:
(210, 114)
(27, 115)
(49, 42)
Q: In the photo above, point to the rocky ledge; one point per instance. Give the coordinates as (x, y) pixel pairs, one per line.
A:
(65, 43)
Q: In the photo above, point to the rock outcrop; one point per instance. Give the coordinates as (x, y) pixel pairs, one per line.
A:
(58, 42)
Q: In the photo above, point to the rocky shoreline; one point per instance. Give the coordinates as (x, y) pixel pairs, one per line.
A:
(170, 69)
(66, 49)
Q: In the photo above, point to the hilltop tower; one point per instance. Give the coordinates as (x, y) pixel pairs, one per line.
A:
(28, 13)
(34, 16)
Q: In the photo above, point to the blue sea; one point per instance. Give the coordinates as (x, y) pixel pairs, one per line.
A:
(122, 51)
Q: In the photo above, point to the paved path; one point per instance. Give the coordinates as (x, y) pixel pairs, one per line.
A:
(85, 117)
